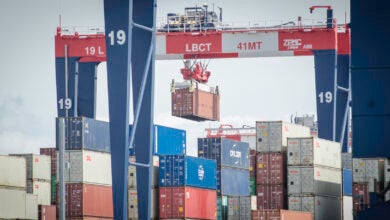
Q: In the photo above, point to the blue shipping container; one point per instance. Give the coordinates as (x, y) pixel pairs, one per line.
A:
(226, 152)
(180, 170)
(347, 182)
(169, 141)
(233, 182)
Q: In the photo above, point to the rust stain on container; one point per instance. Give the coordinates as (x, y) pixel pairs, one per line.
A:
(197, 105)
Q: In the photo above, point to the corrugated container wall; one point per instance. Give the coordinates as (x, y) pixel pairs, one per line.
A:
(41, 190)
(313, 151)
(295, 215)
(238, 207)
(51, 152)
(271, 168)
(266, 214)
(347, 182)
(180, 170)
(31, 206)
(314, 180)
(226, 152)
(169, 141)
(132, 176)
(270, 197)
(37, 166)
(347, 208)
(368, 170)
(322, 207)
(88, 167)
(187, 203)
(233, 182)
(47, 212)
(12, 203)
(196, 104)
(272, 135)
(133, 204)
(15, 177)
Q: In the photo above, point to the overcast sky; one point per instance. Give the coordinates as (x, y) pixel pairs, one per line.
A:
(251, 88)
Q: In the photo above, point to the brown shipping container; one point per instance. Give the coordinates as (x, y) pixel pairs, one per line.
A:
(252, 163)
(53, 155)
(266, 215)
(361, 197)
(271, 168)
(295, 215)
(270, 197)
(197, 105)
(87, 200)
(46, 212)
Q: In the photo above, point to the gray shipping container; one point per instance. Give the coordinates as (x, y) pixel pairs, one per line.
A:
(271, 136)
(133, 204)
(368, 170)
(314, 180)
(132, 176)
(322, 207)
(239, 207)
(313, 151)
(38, 166)
(346, 160)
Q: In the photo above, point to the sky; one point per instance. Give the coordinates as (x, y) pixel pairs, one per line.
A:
(252, 89)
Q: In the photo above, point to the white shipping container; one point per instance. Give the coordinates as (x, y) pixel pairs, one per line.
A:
(368, 170)
(31, 206)
(12, 203)
(40, 189)
(271, 136)
(132, 175)
(313, 151)
(12, 171)
(88, 167)
(38, 166)
(133, 204)
(314, 180)
(347, 208)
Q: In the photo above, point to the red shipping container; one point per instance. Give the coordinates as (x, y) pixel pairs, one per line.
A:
(188, 202)
(53, 155)
(266, 215)
(295, 215)
(270, 197)
(87, 200)
(271, 168)
(47, 212)
(361, 197)
(252, 163)
(197, 105)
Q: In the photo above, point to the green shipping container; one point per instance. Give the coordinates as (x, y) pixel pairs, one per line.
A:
(53, 189)
(252, 186)
(222, 207)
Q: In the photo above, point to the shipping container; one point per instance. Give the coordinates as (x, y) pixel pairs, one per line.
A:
(41, 189)
(222, 208)
(87, 200)
(239, 207)
(15, 177)
(132, 175)
(270, 214)
(85, 133)
(180, 170)
(252, 186)
(252, 162)
(37, 166)
(51, 152)
(133, 204)
(321, 207)
(347, 182)
(346, 160)
(347, 208)
(53, 190)
(271, 136)
(270, 197)
(12, 203)
(169, 141)
(31, 206)
(187, 202)
(88, 167)
(233, 182)
(295, 215)
(254, 203)
(226, 152)
(371, 171)
(360, 196)
(314, 180)
(271, 168)
(47, 212)
(313, 151)
(197, 102)
(387, 171)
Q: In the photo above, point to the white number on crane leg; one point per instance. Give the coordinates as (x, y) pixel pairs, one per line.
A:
(327, 97)
(119, 37)
(65, 103)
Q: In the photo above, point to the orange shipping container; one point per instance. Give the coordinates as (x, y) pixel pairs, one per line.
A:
(295, 215)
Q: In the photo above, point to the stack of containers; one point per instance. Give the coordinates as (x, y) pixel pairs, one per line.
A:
(15, 202)
(314, 177)
(38, 176)
(368, 177)
(346, 163)
(387, 178)
(87, 176)
(187, 187)
(232, 159)
(252, 172)
(51, 152)
(271, 165)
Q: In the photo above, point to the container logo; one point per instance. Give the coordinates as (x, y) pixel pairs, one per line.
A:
(200, 173)
(234, 153)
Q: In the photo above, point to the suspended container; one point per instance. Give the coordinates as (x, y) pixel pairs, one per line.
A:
(195, 101)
